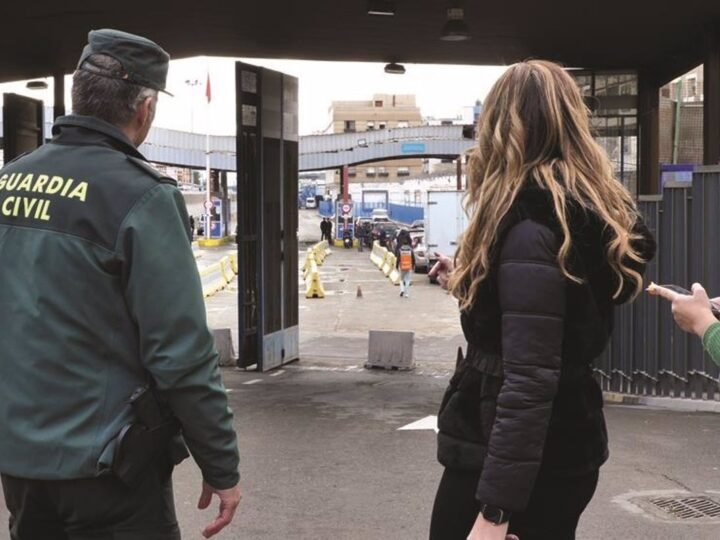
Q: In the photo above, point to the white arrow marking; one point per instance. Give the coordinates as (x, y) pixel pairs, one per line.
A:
(254, 381)
(427, 423)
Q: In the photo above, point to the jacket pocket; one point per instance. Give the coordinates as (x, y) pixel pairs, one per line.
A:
(468, 409)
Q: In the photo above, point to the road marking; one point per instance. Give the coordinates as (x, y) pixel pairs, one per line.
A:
(428, 423)
(277, 373)
(229, 390)
(254, 381)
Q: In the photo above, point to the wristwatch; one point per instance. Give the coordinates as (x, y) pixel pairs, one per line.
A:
(494, 515)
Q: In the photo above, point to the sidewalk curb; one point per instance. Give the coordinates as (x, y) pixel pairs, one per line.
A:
(673, 404)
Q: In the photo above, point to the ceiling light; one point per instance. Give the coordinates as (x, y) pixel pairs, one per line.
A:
(395, 69)
(455, 29)
(36, 85)
(381, 7)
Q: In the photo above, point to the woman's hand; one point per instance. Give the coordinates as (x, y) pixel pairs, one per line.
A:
(484, 530)
(442, 270)
(692, 313)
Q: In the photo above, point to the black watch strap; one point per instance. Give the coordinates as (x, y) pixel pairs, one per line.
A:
(494, 514)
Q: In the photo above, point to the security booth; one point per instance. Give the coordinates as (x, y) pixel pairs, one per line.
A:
(267, 213)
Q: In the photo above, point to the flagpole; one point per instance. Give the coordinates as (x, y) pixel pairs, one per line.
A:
(208, 199)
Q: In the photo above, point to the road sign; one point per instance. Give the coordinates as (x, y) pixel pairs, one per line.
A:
(346, 208)
(209, 205)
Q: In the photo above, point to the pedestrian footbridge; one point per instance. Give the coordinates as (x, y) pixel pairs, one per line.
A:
(317, 152)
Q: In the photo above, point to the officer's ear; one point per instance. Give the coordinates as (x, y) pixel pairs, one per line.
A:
(146, 111)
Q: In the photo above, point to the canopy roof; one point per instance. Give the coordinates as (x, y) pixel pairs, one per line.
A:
(42, 37)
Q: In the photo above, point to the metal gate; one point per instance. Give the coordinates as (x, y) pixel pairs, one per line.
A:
(649, 354)
(267, 166)
(22, 125)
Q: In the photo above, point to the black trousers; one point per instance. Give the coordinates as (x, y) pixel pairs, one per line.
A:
(91, 509)
(553, 512)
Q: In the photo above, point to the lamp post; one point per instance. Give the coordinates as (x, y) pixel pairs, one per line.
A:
(192, 83)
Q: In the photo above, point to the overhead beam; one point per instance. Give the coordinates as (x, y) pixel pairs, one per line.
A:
(59, 94)
(649, 133)
(711, 91)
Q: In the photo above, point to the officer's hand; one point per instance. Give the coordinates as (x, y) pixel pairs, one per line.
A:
(229, 501)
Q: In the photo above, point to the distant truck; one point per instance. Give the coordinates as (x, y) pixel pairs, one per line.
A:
(445, 221)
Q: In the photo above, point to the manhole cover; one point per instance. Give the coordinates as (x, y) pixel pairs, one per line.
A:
(684, 508)
(672, 506)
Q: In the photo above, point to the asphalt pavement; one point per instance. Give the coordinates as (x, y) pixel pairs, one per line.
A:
(323, 457)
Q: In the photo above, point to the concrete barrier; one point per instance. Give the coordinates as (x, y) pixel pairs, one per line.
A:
(386, 263)
(377, 256)
(321, 250)
(217, 276)
(313, 285)
(391, 350)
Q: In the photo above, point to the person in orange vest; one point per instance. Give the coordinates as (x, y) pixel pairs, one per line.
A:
(405, 257)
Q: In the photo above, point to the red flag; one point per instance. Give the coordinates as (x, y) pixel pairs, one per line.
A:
(208, 92)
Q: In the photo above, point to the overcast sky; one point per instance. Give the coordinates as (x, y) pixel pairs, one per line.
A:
(441, 90)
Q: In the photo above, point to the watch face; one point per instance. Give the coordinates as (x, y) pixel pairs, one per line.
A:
(493, 514)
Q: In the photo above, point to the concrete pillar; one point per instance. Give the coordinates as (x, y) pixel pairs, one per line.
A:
(649, 134)
(711, 91)
(59, 94)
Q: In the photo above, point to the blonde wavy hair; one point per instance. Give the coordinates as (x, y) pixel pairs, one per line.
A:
(535, 129)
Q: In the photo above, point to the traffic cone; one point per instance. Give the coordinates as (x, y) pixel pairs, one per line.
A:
(359, 292)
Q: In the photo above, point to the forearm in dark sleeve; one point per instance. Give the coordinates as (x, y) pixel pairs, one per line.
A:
(164, 294)
(532, 299)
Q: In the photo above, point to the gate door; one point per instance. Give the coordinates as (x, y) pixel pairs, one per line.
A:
(22, 125)
(267, 175)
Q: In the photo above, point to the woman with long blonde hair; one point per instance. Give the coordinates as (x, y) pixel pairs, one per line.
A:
(555, 241)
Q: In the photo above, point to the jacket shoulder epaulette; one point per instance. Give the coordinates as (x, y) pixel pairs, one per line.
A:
(152, 171)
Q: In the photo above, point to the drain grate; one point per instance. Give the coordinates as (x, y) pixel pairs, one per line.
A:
(696, 507)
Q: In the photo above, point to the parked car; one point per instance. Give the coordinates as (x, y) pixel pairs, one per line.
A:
(420, 250)
(384, 232)
(380, 214)
(418, 225)
(310, 202)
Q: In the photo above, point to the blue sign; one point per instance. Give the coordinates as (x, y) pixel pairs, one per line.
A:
(413, 148)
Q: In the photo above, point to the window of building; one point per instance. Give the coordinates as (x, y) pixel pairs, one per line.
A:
(382, 171)
(692, 88)
(403, 171)
(446, 122)
(370, 172)
(370, 126)
(378, 103)
(382, 125)
(349, 126)
(352, 172)
(403, 124)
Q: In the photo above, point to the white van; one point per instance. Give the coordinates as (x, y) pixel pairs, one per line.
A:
(380, 214)
(310, 202)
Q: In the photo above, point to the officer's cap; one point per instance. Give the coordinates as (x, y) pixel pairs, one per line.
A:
(144, 62)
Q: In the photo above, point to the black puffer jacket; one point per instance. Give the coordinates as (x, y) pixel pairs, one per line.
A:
(523, 401)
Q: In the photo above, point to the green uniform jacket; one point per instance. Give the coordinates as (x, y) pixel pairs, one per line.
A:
(711, 342)
(98, 289)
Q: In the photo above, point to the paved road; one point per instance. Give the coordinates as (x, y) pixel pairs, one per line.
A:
(322, 458)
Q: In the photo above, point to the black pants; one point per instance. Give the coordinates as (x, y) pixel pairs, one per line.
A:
(91, 509)
(553, 512)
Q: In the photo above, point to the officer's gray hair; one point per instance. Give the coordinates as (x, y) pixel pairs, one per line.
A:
(98, 91)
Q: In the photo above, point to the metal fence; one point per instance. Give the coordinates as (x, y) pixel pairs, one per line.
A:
(406, 214)
(649, 354)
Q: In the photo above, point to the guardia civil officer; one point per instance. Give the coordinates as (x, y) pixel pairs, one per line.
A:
(107, 363)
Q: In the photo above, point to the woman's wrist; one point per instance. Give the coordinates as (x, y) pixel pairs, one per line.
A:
(704, 323)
